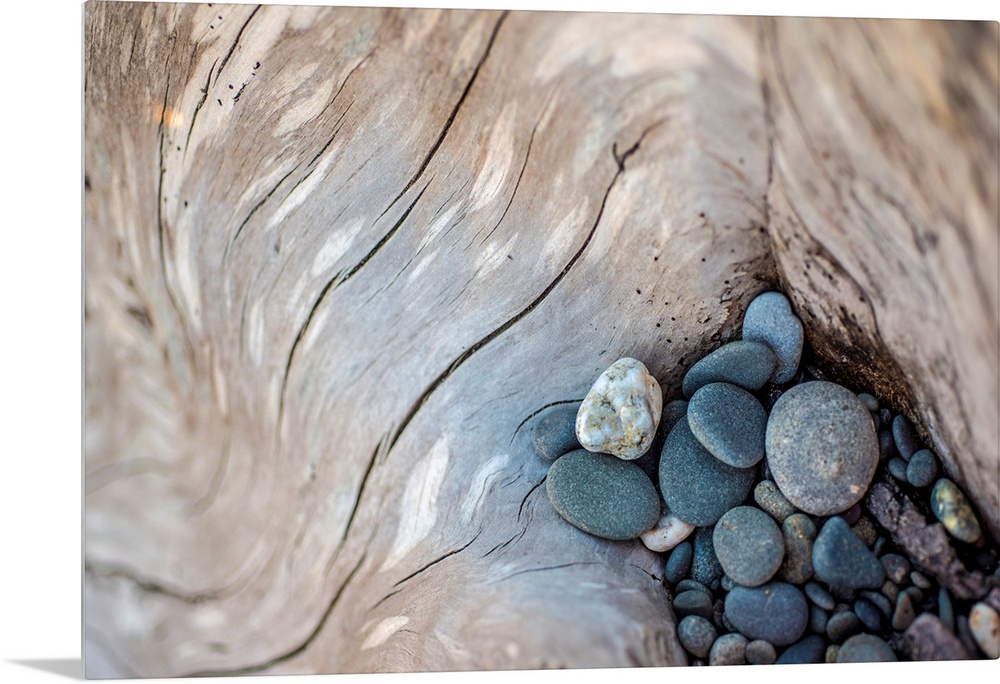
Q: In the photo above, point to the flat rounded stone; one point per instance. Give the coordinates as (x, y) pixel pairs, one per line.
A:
(820, 596)
(950, 506)
(668, 532)
(869, 614)
(693, 602)
(729, 422)
(904, 613)
(776, 612)
(897, 568)
(904, 437)
(984, 623)
(928, 639)
(554, 434)
(883, 604)
(818, 618)
(697, 487)
(621, 412)
(602, 495)
(808, 651)
(749, 545)
(771, 500)
(705, 566)
(897, 468)
(728, 649)
(692, 585)
(673, 412)
(798, 532)
(870, 402)
(744, 363)
(760, 652)
(821, 447)
(678, 563)
(769, 319)
(842, 560)
(865, 648)
(696, 635)
(922, 468)
(840, 624)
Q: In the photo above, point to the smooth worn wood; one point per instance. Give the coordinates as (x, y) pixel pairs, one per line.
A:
(337, 258)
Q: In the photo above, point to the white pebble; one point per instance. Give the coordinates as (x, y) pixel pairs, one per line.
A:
(984, 623)
(668, 533)
(620, 414)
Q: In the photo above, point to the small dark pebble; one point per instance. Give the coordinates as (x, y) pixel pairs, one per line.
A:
(820, 596)
(770, 499)
(922, 468)
(865, 529)
(883, 604)
(869, 614)
(690, 584)
(879, 546)
(718, 611)
(842, 560)
(928, 639)
(705, 567)
(728, 649)
(852, 514)
(760, 652)
(904, 437)
(817, 619)
(810, 650)
(897, 468)
(830, 656)
(678, 563)
(885, 415)
(673, 412)
(798, 532)
(727, 583)
(890, 590)
(919, 580)
(946, 611)
(841, 624)
(693, 602)
(903, 615)
(965, 635)
(865, 648)
(696, 635)
(897, 568)
(885, 445)
(870, 402)
(776, 612)
(916, 594)
(555, 432)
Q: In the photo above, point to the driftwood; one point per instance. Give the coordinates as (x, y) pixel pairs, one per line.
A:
(335, 259)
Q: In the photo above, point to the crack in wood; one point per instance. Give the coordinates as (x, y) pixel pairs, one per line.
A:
(439, 559)
(225, 60)
(537, 411)
(543, 569)
(198, 106)
(517, 184)
(263, 200)
(150, 586)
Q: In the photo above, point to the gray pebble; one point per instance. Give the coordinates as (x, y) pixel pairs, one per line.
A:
(810, 650)
(904, 437)
(696, 635)
(727, 583)
(691, 585)
(672, 412)
(820, 596)
(830, 656)
(770, 499)
(946, 611)
(922, 468)
(904, 614)
(841, 624)
(870, 402)
(821, 447)
(728, 649)
(776, 612)
(890, 590)
(865, 530)
(885, 445)
(697, 487)
(748, 544)
(718, 609)
(744, 363)
(919, 580)
(916, 594)
(883, 604)
(693, 602)
(554, 434)
(769, 319)
(760, 652)
(602, 495)
(897, 468)
(885, 415)
(705, 566)
(678, 563)
(842, 560)
(852, 514)
(868, 614)
(897, 568)
(817, 619)
(729, 422)
(927, 639)
(865, 648)
(798, 532)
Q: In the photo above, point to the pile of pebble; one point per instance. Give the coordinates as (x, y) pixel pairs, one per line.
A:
(753, 487)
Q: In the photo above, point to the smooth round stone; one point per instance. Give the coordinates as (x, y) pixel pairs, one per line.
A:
(668, 532)
(817, 619)
(953, 510)
(865, 648)
(621, 412)
(922, 468)
(696, 635)
(798, 532)
(602, 495)
(897, 568)
(673, 412)
(776, 612)
(678, 563)
(919, 580)
(760, 652)
(984, 623)
(769, 319)
(809, 651)
(869, 615)
(841, 624)
(770, 499)
(870, 402)
(692, 585)
(820, 596)
(883, 604)
(897, 468)
(555, 432)
(903, 615)
(744, 363)
(904, 437)
(821, 447)
(842, 560)
(748, 545)
(729, 422)
(697, 487)
(705, 566)
(885, 445)
(693, 602)
(728, 649)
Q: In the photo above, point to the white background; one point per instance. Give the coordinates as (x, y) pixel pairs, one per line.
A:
(41, 345)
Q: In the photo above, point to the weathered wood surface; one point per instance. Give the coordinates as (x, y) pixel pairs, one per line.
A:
(336, 257)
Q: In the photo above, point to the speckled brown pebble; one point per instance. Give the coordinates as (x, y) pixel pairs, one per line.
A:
(760, 652)
(903, 615)
(771, 500)
(984, 623)
(953, 510)
(798, 532)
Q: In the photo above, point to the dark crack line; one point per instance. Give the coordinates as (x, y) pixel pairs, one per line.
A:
(197, 107)
(537, 411)
(225, 60)
(524, 165)
(361, 491)
(438, 560)
(264, 199)
(147, 585)
(454, 113)
(288, 655)
(544, 569)
(505, 544)
(520, 509)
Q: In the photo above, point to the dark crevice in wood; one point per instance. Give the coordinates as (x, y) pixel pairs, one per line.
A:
(647, 573)
(539, 410)
(454, 113)
(225, 60)
(520, 509)
(105, 571)
(543, 569)
(265, 198)
(505, 544)
(198, 106)
(361, 491)
(438, 560)
(261, 667)
(517, 184)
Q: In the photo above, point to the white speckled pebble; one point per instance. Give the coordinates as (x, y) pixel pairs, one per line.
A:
(984, 622)
(620, 414)
(668, 533)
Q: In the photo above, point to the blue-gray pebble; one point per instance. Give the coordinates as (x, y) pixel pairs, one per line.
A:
(769, 319)
(602, 495)
(696, 486)
(678, 563)
(673, 412)
(865, 648)
(904, 437)
(922, 468)
(705, 566)
(554, 434)
(693, 602)
(760, 652)
(745, 363)
(749, 545)
(809, 651)
(776, 612)
(842, 560)
(696, 635)
(729, 422)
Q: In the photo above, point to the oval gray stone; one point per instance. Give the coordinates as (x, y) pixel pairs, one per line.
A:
(904, 437)
(769, 497)
(865, 648)
(749, 545)
(809, 651)
(728, 649)
(705, 566)
(693, 602)
(678, 563)
(842, 560)
(922, 468)
(769, 319)
(798, 532)
(745, 363)
(821, 447)
(602, 495)
(729, 422)
(760, 652)
(775, 612)
(696, 486)
(696, 635)
(554, 434)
